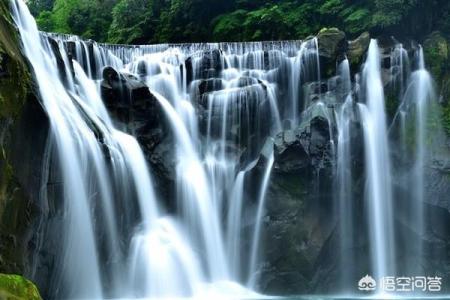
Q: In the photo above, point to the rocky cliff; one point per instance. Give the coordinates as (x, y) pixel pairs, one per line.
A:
(23, 136)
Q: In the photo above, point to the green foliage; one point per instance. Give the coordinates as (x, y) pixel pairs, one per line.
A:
(16, 287)
(356, 19)
(331, 7)
(38, 6)
(62, 10)
(226, 27)
(446, 118)
(153, 21)
(44, 21)
(130, 20)
(390, 12)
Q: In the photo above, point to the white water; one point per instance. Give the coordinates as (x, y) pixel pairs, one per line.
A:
(79, 263)
(200, 251)
(379, 189)
(345, 194)
(418, 101)
(259, 218)
(84, 168)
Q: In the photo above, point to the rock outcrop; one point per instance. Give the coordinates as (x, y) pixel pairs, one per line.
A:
(14, 287)
(357, 48)
(23, 137)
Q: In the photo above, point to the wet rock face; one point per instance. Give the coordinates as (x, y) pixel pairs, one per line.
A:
(357, 48)
(136, 110)
(23, 138)
(128, 99)
(210, 64)
(298, 210)
(303, 147)
(332, 47)
(59, 59)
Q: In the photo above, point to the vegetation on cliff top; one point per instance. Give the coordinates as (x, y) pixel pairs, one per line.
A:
(153, 21)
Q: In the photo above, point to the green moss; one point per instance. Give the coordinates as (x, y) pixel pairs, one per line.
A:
(14, 287)
(14, 75)
(291, 185)
(446, 118)
(391, 103)
(436, 54)
(16, 89)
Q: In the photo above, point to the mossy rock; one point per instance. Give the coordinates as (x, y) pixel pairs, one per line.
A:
(436, 50)
(357, 48)
(15, 287)
(15, 79)
(18, 94)
(332, 42)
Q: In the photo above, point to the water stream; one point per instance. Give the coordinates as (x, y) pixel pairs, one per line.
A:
(223, 122)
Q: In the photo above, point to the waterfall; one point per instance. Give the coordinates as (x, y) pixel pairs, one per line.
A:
(227, 111)
(259, 215)
(379, 178)
(345, 195)
(68, 125)
(418, 101)
(82, 132)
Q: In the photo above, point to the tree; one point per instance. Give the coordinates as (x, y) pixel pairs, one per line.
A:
(132, 22)
(38, 6)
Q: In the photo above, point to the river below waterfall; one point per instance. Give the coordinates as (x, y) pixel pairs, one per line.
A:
(235, 170)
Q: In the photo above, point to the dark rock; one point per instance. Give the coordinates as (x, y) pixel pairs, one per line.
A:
(332, 43)
(306, 146)
(209, 66)
(189, 70)
(23, 138)
(357, 48)
(110, 75)
(332, 48)
(290, 152)
(298, 215)
(59, 60)
(209, 85)
(134, 107)
(129, 99)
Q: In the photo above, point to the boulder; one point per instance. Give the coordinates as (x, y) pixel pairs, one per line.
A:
(129, 99)
(332, 46)
(357, 48)
(332, 43)
(290, 152)
(15, 287)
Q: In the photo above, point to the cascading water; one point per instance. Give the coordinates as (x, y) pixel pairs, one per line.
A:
(418, 134)
(206, 172)
(225, 104)
(379, 180)
(82, 132)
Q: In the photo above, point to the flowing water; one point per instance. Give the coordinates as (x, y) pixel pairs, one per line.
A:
(379, 179)
(216, 116)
